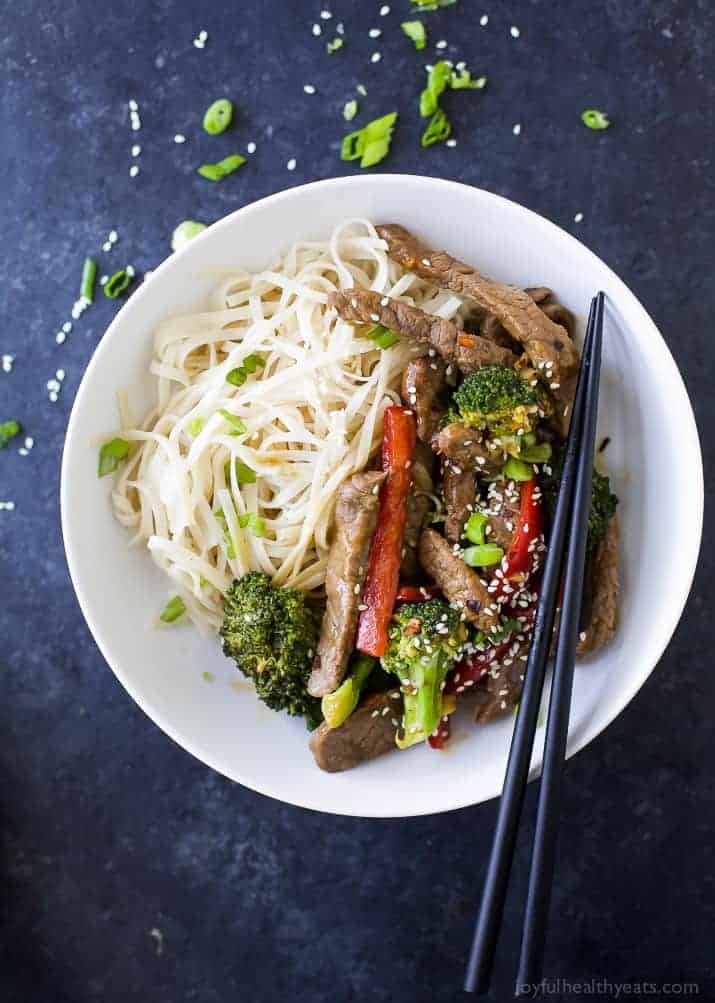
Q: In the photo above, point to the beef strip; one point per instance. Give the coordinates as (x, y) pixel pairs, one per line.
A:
(605, 588)
(560, 315)
(460, 495)
(368, 732)
(463, 447)
(460, 584)
(360, 306)
(499, 691)
(418, 505)
(356, 513)
(503, 517)
(423, 385)
(539, 294)
(547, 344)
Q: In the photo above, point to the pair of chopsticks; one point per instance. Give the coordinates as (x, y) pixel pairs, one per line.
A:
(566, 559)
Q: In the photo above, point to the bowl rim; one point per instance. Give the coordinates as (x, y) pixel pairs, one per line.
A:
(690, 553)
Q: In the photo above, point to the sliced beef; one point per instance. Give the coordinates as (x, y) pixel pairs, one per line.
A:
(356, 512)
(460, 495)
(604, 589)
(503, 516)
(368, 732)
(539, 294)
(360, 306)
(561, 315)
(418, 506)
(460, 584)
(423, 386)
(463, 447)
(547, 344)
(499, 691)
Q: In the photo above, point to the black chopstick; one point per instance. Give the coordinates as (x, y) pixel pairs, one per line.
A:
(546, 830)
(491, 909)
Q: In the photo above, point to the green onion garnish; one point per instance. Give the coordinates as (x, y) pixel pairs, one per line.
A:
(437, 83)
(253, 522)
(89, 274)
(334, 46)
(8, 430)
(238, 376)
(475, 527)
(111, 455)
(244, 474)
(253, 362)
(175, 608)
(350, 110)
(383, 337)
(462, 79)
(218, 116)
(416, 31)
(433, 4)
(195, 426)
(483, 555)
(207, 677)
(371, 144)
(227, 538)
(595, 119)
(118, 284)
(184, 232)
(517, 470)
(438, 129)
(215, 172)
(238, 426)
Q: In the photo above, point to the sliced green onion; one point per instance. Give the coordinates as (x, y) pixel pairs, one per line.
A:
(237, 377)
(415, 31)
(218, 116)
(8, 430)
(253, 362)
(89, 274)
(483, 555)
(216, 172)
(184, 232)
(253, 522)
(370, 144)
(195, 426)
(595, 119)
(350, 110)
(438, 129)
(426, 5)
(334, 46)
(238, 426)
(383, 337)
(244, 474)
(175, 608)
(535, 453)
(475, 527)
(437, 82)
(462, 79)
(118, 284)
(517, 470)
(111, 455)
(207, 677)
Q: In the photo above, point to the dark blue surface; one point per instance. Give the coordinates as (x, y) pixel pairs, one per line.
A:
(111, 831)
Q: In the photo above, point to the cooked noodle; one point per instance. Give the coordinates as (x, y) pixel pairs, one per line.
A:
(313, 416)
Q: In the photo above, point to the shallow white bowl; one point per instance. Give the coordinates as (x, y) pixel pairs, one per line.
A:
(654, 459)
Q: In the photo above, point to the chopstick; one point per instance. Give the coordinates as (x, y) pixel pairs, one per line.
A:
(568, 527)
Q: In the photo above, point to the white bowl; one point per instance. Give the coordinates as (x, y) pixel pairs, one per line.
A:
(654, 459)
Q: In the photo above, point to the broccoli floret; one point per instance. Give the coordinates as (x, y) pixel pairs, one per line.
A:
(271, 633)
(603, 501)
(425, 639)
(498, 401)
(8, 430)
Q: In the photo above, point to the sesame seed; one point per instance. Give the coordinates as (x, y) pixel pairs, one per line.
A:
(326, 15)
(291, 165)
(53, 396)
(578, 217)
(317, 30)
(133, 106)
(426, 262)
(554, 386)
(136, 150)
(582, 636)
(130, 271)
(9, 506)
(517, 129)
(375, 32)
(451, 143)
(442, 44)
(133, 171)
(106, 246)
(514, 31)
(484, 20)
(251, 148)
(384, 10)
(60, 374)
(179, 138)
(356, 588)
(203, 35)
(104, 279)
(60, 337)
(309, 88)
(375, 713)
(113, 237)
(340, 28)
(375, 57)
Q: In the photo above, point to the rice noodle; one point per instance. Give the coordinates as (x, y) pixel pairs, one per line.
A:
(313, 416)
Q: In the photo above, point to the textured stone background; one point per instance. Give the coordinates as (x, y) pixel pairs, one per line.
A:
(109, 830)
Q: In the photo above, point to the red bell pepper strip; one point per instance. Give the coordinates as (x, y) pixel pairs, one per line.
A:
(471, 669)
(519, 560)
(383, 574)
(417, 593)
(437, 741)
